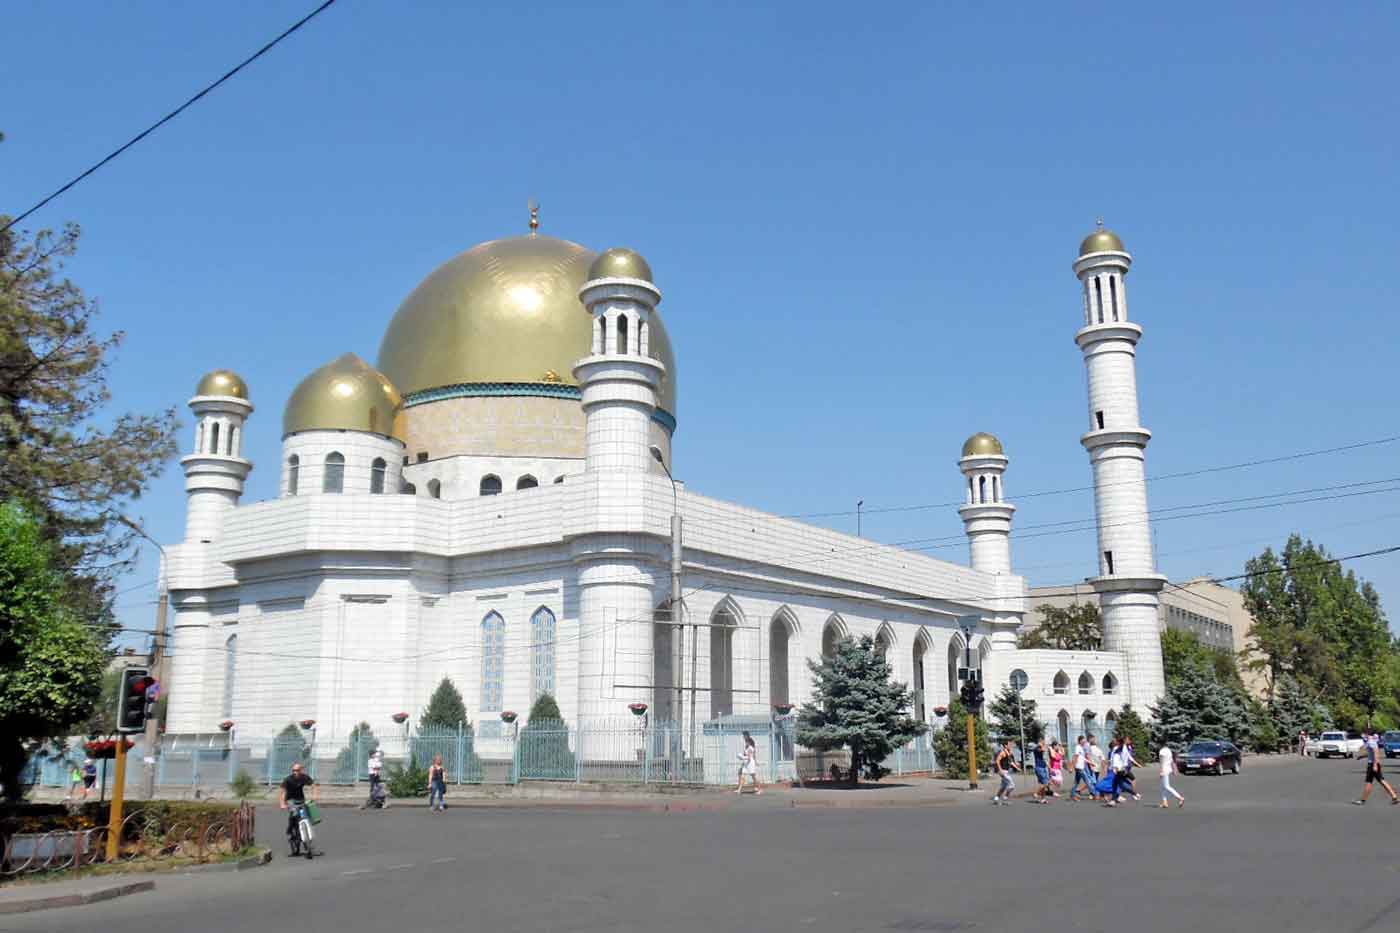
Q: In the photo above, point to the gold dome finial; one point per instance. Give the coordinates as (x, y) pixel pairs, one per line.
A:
(1101, 241)
(619, 262)
(534, 217)
(983, 444)
(223, 383)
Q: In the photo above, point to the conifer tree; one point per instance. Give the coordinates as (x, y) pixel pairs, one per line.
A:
(544, 742)
(1132, 727)
(1197, 706)
(950, 743)
(855, 705)
(445, 708)
(1012, 720)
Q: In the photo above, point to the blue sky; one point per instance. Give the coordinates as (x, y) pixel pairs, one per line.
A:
(863, 219)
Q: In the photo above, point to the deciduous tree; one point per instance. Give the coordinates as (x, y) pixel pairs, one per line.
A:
(1077, 627)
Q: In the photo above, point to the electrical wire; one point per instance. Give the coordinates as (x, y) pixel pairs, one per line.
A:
(172, 114)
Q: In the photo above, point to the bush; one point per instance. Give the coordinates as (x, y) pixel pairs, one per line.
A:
(243, 786)
(544, 743)
(353, 757)
(950, 744)
(407, 782)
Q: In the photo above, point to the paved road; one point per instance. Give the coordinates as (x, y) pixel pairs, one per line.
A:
(1275, 849)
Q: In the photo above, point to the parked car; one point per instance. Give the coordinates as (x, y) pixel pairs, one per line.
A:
(1338, 744)
(1390, 744)
(1211, 757)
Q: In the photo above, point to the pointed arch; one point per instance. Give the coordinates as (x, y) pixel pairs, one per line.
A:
(884, 640)
(1110, 724)
(493, 657)
(922, 644)
(833, 631)
(527, 482)
(1110, 684)
(333, 473)
(956, 656)
(542, 632)
(984, 648)
(724, 621)
(1061, 683)
(1062, 724)
(781, 629)
(1086, 684)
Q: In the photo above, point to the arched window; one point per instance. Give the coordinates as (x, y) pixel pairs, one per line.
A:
(541, 653)
(333, 480)
(293, 474)
(722, 626)
(622, 334)
(1061, 683)
(1086, 684)
(921, 646)
(956, 656)
(408, 489)
(1062, 723)
(1110, 725)
(1110, 684)
(526, 482)
(780, 632)
(214, 437)
(558, 480)
(884, 640)
(377, 471)
(230, 672)
(493, 660)
(491, 485)
(831, 634)
(435, 489)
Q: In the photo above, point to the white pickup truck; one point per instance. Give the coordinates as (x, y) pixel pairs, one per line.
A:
(1336, 744)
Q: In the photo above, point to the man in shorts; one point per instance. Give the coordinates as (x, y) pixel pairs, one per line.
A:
(1098, 765)
(1005, 763)
(1373, 770)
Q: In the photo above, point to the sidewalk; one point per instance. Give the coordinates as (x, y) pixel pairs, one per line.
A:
(21, 897)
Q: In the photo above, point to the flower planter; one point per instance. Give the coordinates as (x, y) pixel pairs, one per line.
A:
(400, 718)
(226, 725)
(105, 748)
(638, 709)
(509, 717)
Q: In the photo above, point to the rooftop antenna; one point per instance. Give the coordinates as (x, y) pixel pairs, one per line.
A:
(535, 217)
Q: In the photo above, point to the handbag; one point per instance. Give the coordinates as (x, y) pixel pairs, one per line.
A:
(313, 812)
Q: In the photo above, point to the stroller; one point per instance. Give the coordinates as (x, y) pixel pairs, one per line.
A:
(378, 797)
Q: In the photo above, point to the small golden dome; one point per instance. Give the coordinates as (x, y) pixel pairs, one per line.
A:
(346, 394)
(224, 383)
(1101, 241)
(619, 263)
(983, 444)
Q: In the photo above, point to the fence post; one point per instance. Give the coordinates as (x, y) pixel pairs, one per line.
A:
(461, 754)
(578, 753)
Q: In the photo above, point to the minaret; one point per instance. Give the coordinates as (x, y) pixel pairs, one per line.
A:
(1128, 581)
(215, 472)
(986, 515)
(621, 385)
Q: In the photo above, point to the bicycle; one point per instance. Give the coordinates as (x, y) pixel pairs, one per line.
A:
(300, 841)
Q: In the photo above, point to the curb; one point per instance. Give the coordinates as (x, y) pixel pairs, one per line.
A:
(75, 900)
(252, 861)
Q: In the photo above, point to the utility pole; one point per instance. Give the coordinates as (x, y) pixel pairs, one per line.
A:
(151, 737)
(860, 503)
(1019, 682)
(968, 624)
(677, 618)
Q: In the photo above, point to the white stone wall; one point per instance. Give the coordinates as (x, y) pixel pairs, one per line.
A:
(460, 477)
(360, 449)
(1042, 667)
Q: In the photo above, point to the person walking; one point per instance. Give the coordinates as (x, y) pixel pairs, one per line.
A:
(89, 776)
(1098, 764)
(748, 765)
(378, 796)
(1303, 744)
(1373, 770)
(1081, 769)
(1057, 765)
(1130, 761)
(1042, 772)
(1005, 763)
(1117, 764)
(437, 785)
(1166, 767)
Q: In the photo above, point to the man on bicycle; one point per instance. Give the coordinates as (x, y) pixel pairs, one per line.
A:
(293, 795)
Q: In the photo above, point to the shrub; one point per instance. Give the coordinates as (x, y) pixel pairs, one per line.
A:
(352, 758)
(407, 782)
(544, 743)
(950, 744)
(243, 786)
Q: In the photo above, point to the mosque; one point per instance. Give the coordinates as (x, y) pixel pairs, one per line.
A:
(492, 501)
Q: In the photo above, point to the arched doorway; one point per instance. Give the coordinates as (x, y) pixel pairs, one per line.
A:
(832, 632)
(955, 661)
(723, 623)
(921, 646)
(780, 633)
(1062, 724)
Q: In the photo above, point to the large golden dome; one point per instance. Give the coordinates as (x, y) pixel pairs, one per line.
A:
(506, 311)
(346, 394)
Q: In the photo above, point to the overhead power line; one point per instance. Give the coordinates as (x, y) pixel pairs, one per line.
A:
(172, 114)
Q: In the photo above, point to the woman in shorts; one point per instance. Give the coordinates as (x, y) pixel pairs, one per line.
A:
(1057, 768)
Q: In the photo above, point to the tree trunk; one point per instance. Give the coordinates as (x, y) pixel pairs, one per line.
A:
(854, 777)
(12, 761)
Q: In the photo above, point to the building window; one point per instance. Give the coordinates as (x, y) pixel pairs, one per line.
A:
(293, 474)
(230, 671)
(377, 469)
(542, 653)
(1113, 296)
(526, 482)
(1086, 684)
(408, 489)
(722, 627)
(493, 659)
(1108, 562)
(1061, 683)
(434, 489)
(333, 480)
(1098, 297)
(1098, 416)
(405, 459)
(214, 438)
(622, 333)
(1110, 684)
(422, 456)
(491, 485)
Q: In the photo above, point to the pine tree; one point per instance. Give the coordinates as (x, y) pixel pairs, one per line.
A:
(545, 709)
(445, 708)
(1197, 706)
(950, 743)
(1012, 721)
(358, 747)
(544, 742)
(1132, 727)
(855, 705)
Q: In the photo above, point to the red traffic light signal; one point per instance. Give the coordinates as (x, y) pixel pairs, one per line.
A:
(137, 700)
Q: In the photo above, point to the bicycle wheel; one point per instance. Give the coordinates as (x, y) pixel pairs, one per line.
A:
(304, 826)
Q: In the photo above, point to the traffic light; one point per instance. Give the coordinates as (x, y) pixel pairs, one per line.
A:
(965, 694)
(978, 695)
(137, 699)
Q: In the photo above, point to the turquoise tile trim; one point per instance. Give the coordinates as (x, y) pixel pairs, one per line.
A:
(538, 389)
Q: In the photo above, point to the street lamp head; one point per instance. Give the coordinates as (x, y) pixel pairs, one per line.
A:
(656, 454)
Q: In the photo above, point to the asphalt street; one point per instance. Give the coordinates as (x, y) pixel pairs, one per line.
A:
(1278, 848)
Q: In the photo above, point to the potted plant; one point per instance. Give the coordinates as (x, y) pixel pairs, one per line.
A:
(308, 724)
(782, 709)
(940, 711)
(226, 725)
(400, 718)
(638, 709)
(509, 716)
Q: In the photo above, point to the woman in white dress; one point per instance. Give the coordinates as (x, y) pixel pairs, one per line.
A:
(748, 764)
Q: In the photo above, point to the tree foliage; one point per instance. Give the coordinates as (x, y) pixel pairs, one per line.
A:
(1131, 726)
(545, 709)
(544, 742)
(1197, 706)
(950, 743)
(1183, 649)
(445, 707)
(1012, 721)
(51, 661)
(856, 705)
(1077, 627)
(1324, 628)
(62, 453)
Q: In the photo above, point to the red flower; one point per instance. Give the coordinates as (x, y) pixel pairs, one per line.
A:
(226, 725)
(638, 709)
(508, 716)
(308, 723)
(400, 718)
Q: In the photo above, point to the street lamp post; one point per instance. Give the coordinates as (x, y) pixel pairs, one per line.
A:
(968, 624)
(677, 629)
(1019, 681)
(157, 657)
